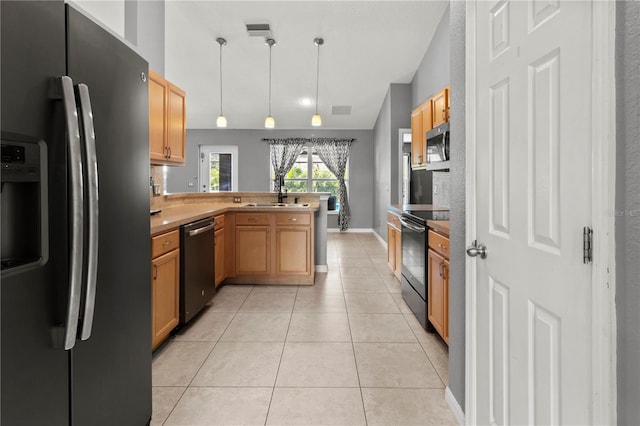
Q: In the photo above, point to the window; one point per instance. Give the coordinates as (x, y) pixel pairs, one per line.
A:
(218, 168)
(310, 174)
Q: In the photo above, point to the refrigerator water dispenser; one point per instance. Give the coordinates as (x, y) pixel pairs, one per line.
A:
(23, 202)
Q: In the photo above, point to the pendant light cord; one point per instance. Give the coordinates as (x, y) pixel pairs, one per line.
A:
(317, 76)
(270, 46)
(221, 79)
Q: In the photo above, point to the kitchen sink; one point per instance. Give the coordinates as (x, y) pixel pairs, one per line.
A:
(277, 205)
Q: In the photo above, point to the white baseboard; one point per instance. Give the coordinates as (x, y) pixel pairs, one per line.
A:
(455, 407)
(322, 268)
(351, 230)
(382, 241)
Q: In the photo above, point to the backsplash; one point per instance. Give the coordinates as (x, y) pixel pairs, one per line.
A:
(441, 188)
(157, 173)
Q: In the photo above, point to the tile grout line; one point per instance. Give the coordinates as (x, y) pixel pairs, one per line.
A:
(203, 362)
(355, 359)
(284, 344)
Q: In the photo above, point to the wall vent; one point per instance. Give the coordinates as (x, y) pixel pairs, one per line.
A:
(341, 110)
(259, 30)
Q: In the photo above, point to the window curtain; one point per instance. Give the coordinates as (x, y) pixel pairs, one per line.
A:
(335, 155)
(284, 153)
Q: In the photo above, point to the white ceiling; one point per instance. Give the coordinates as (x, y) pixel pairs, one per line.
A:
(368, 45)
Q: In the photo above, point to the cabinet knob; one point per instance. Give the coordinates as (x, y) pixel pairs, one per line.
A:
(166, 243)
(292, 219)
(252, 219)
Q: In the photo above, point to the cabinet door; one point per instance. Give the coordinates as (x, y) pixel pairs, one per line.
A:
(176, 124)
(398, 254)
(446, 301)
(253, 250)
(391, 247)
(157, 117)
(436, 291)
(440, 107)
(165, 278)
(427, 119)
(219, 244)
(293, 250)
(417, 138)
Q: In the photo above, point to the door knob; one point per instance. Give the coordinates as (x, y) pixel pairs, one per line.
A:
(476, 249)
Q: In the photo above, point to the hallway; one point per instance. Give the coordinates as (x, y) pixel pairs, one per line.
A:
(344, 351)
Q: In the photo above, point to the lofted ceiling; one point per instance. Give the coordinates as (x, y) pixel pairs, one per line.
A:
(367, 46)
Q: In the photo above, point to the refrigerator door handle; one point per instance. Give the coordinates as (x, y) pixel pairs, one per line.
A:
(76, 212)
(91, 167)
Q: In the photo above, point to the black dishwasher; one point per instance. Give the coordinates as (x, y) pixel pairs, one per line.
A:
(197, 273)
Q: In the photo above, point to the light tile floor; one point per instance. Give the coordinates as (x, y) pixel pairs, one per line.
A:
(346, 351)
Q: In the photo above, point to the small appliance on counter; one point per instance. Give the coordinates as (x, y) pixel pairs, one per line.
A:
(331, 202)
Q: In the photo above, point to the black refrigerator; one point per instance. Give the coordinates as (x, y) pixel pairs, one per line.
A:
(75, 286)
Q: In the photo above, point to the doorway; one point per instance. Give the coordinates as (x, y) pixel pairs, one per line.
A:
(218, 168)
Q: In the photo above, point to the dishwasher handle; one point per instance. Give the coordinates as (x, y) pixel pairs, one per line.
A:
(206, 228)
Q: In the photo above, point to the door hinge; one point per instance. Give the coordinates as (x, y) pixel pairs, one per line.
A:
(587, 245)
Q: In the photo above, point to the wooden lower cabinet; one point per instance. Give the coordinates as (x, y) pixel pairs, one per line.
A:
(394, 244)
(293, 254)
(253, 250)
(220, 248)
(219, 258)
(165, 283)
(272, 248)
(438, 284)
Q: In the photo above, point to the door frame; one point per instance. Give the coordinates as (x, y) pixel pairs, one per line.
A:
(603, 147)
(221, 149)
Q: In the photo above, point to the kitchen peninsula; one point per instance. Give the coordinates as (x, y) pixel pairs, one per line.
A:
(256, 241)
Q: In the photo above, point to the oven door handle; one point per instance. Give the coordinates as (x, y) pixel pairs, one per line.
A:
(415, 228)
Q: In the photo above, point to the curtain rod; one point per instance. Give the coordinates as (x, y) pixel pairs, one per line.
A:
(285, 141)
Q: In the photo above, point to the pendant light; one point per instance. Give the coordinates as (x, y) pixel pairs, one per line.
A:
(316, 120)
(269, 122)
(222, 120)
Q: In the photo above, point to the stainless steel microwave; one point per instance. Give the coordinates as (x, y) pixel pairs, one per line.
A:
(438, 147)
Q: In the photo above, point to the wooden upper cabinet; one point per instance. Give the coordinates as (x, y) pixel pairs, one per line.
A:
(427, 119)
(440, 107)
(157, 115)
(176, 124)
(418, 157)
(167, 121)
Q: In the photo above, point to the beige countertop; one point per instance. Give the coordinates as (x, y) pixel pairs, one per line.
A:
(399, 208)
(174, 216)
(440, 226)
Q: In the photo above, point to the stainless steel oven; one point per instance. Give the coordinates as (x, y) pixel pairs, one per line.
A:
(414, 266)
(414, 257)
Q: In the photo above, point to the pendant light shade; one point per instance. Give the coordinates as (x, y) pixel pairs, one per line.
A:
(222, 120)
(316, 120)
(270, 122)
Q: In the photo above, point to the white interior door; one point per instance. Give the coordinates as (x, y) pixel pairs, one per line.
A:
(533, 196)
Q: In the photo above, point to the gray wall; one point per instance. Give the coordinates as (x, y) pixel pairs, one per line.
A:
(395, 114)
(254, 165)
(628, 210)
(144, 28)
(457, 205)
(433, 74)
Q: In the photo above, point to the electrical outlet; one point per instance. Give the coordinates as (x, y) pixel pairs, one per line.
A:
(237, 199)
